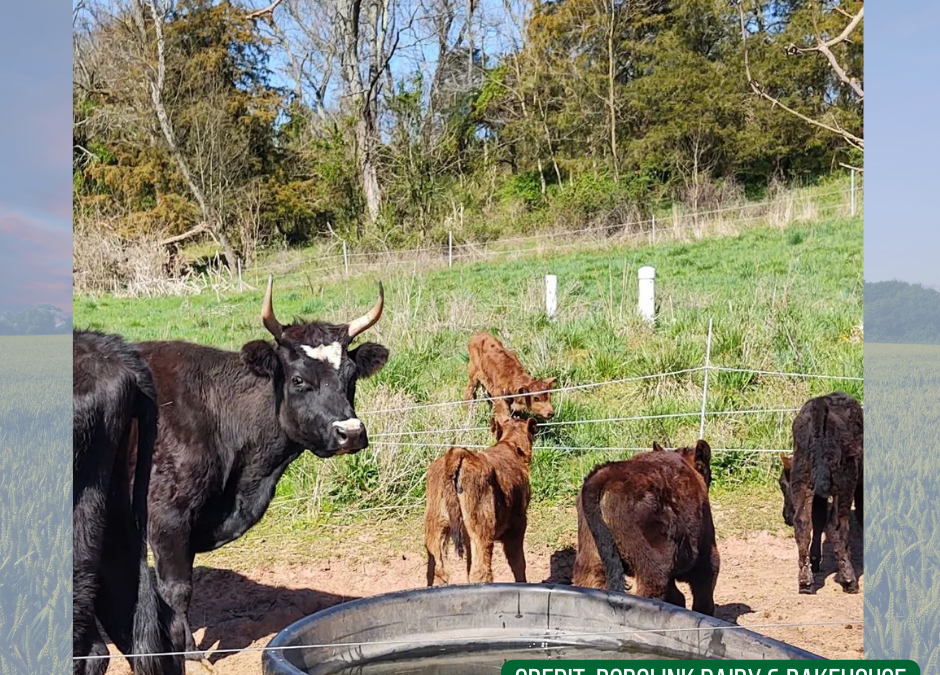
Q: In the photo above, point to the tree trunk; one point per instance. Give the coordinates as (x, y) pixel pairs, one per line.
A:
(366, 151)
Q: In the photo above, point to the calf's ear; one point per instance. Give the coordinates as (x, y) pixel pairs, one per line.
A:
(532, 427)
(703, 452)
(787, 461)
(657, 447)
(370, 358)
(550, 382)
(261, 359)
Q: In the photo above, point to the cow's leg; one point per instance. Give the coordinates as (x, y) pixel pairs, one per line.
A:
(175, 586)
(97, 665)
(820, 519)
(703, 581)
(89, 516)
(513, 547)
(802, 532)
(120, 566)
(840, 544)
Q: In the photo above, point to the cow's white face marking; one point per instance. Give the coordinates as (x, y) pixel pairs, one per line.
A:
(332, 353)
(349, 425)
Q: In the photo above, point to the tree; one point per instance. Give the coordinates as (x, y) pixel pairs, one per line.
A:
(836, 30)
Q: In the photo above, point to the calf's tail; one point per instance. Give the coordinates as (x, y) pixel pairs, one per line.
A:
(152, 616)
(822, 471)
(452, 467)
(591, 504)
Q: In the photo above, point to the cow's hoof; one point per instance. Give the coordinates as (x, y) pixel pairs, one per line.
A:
(850, 588)
(807, 590)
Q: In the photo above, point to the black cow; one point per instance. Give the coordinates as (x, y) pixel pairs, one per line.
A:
(820, 482)
(231, 423)
(112, 389)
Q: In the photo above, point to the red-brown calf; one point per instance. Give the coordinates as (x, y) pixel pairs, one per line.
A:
(500, 373)
(650, 517)
(481, 498)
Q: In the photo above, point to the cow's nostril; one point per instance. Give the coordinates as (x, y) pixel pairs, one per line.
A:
(341, 433)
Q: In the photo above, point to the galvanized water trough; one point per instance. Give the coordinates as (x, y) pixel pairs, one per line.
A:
(476, 628)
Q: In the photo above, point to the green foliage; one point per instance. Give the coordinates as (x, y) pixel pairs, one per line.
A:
(35, 491)
(902, 504)
(781, 300)
(902, 313)
(522, 143)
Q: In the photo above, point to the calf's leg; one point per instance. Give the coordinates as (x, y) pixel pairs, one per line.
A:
(673, 595)
(859, 498)
(512, 546)
(802, 532)
(88, 525)
(702, 582)
(820, 519)
(840, 543)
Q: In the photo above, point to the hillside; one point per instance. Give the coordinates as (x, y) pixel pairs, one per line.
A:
(901, 313)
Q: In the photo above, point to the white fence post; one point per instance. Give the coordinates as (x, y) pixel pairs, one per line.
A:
(240, 286)
(551, 295)
(647, 293)
(345, 260)
(708, 363)
(853, 194)
(450, 248)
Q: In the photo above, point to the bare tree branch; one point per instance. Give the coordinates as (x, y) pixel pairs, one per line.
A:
(266, 13)
(824, 48)
(849, 138)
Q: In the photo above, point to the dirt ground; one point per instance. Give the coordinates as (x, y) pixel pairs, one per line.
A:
(250, 593)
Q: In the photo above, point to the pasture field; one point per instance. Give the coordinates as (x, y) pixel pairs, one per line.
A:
(902, 503)
(782, 300)
(35, 495)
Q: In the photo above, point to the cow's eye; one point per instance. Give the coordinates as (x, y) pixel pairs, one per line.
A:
(297, 380)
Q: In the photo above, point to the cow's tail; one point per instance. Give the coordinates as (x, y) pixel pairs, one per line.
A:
(452, 468)
(152, 616)
(822, 471)
(603, 538)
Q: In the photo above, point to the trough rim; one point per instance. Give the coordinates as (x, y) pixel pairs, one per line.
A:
(273, 659)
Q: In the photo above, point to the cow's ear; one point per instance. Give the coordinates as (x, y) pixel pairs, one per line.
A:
(550, 382)
(261, 358)
(370, 358)
(532, 427)
(787, 462)
(657, 447)
(703, 452)
(523, 391)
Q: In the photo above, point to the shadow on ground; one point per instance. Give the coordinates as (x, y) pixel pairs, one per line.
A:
(236, 611)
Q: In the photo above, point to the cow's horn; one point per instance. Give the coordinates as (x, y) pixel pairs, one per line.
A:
(366, 321)
(267, 312)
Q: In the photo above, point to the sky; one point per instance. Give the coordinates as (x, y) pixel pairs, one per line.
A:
(35, 156)
(902, 220)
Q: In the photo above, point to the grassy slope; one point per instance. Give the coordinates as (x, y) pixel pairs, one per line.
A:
(902, 504)
(35, 490)
(781, 299)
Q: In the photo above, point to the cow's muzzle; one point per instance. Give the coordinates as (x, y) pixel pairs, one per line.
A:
(348, 436)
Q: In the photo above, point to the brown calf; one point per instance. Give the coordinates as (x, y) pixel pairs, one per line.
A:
(826, 467)
(500, 373)
(650, 517)
(481, 497)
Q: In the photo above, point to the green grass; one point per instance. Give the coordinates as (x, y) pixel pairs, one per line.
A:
(782, 299)
(902, 504)
(35, 492)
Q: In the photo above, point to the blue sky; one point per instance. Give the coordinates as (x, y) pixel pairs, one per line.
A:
(35, 146)
(902, 219)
